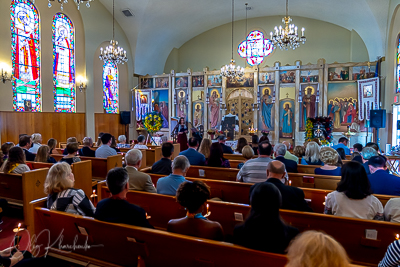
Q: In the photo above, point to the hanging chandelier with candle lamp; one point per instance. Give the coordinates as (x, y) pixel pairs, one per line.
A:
(113, 52)
(231, 70)
(62, 2)
(286, 37)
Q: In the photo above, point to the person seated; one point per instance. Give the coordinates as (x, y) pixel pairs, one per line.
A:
(356, 156)
(43, 155)
(367, 153)
(164, 165)
(329, 157)
(316, 249)
(225, 149)
(5, 149)
(52, 144)
(341, 153)
(292, 197)
(312, 155)
(62, 196)
(36, 142)
(116, 209)
(299, 151)
(70, 140)
(247, 153)
(168, 185)
(138, 181)
(216, 158)
(86, 150)
(353, 196)
(205, 147)
(357, 147)
(122, 142)
(25, 143)
(99, 143)
(264, 229)
(342, 143)
(391, 211)
(289, 155)
(279, 152)
(194, 157)
(16, 161)
(392, 255)
(242, 142)
(254, 144)
(105, 150)
(71, 157)
(375, 146)
(193, 196)
(263, 139)
(114, 144)
(140, 145)
(382, 182)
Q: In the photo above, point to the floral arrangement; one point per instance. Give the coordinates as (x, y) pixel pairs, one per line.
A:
(152, 122)
(325, 124)
(265, 132)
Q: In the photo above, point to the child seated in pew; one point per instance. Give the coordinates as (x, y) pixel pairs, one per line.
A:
(117, 209)
(61, 194)
(193, 196)
(264, 229)
(43, 155)
(16, 161)
(71, 157)
(316, 249)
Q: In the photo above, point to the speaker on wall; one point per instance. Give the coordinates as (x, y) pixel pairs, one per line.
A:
(377, 118)
(398, 124)
(125, 117)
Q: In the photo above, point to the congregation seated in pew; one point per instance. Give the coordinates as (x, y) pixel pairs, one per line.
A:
(299, 152)
(168, 185)
(381, 181)
(5, 149)
(279, 153)
(62, 196)
(43, 155)
(122, 142)
(164, 165)
(114, 144)
(71, 156)
(357, 147)
(342, 143)
(225, 149)
(367, 153)
(254, 144)
(205, 147)
(70, 140)
(36, 142)
(247, 153)
(264, 229)
(52, 144)
(137, 180)
(16, 161)
(105, 150)
(289, 155)
(194, 157)
(86, 150)
(25, 143)
(330, 158)
(353, 196)
(311, 156)
(116, 209)
(192, 196)
(216, 158)
(341, 153)
(140, 145)
(241, 142)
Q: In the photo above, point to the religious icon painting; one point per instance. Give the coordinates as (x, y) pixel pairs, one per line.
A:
(368, 91)
(147, 83)
(198, 113)
(287, 76)
(246, 81)
(214, 96)
(181, 82)
(267, 108)
(338, 74)
(214, 80)
(162, 82)
(308, 99)
(198, 81)
(142, 104)
(309, 76)
(181, 96)
(266, 78)
(363, 72)
(286, 119)
(160, 98)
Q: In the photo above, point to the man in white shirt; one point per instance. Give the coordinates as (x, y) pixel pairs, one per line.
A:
(140, 145)
(105, 150)
(137, 180)
(37, 142)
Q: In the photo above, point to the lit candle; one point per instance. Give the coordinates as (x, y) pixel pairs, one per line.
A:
(302, 31)
(18, 237)
(397, 236)
(207, 208)
(324, 201)
(290, 182)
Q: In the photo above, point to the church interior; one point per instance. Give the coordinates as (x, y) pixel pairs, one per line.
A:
(290, 71)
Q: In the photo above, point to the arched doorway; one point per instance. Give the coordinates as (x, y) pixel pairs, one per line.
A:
(238, 103)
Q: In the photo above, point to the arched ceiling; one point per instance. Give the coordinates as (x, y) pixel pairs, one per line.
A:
(159, 26)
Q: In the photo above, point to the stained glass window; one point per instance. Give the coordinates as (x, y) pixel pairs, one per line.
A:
(25, 46)
(255, 48)
(398, 67)
(110, 87)
(63, 63)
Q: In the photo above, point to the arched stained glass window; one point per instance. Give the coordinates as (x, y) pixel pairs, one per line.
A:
(25, 44)
(398, 66)
(110, 87)
(63, 63)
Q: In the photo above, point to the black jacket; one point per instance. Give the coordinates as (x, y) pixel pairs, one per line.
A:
(290, 165)
(87, 152)
(29, 156)
(226, 149)
(292, 197)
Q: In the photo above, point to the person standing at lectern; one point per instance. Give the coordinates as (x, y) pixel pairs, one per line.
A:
(182, 130)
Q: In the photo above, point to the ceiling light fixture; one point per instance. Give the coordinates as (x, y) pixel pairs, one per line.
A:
(62, 2)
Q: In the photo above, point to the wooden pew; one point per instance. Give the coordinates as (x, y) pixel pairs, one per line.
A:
(130, 242)
(20, 189)
(235, 157)
(349, 232)
(307, 168)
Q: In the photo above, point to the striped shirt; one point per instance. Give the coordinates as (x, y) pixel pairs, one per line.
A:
(254, 171)
(392, 256)
(72, 201)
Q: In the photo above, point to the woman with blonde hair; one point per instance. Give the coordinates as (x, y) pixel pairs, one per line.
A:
(52, 143)
(205, 147)
(316, 249)
(61, 194)
(36, 142)
(312, 154)
(329, 157)
(247, 153)
(43, 155)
